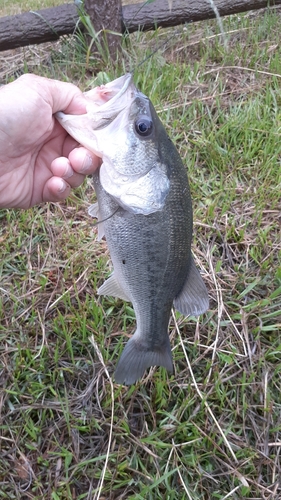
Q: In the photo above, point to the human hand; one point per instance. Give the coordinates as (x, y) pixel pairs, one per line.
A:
(39, 161)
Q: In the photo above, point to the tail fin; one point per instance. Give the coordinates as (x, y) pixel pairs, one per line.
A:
(137, 357)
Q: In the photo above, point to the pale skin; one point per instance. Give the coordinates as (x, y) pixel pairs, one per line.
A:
(39, 161)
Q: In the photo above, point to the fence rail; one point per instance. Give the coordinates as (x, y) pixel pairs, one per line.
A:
(49, 24)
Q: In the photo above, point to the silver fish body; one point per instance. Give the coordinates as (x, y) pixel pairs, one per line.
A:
(144, 206)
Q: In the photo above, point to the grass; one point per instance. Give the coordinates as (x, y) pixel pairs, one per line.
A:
(8, 8)
(213, 430)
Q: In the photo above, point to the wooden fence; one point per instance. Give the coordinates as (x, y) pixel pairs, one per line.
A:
(49, 24)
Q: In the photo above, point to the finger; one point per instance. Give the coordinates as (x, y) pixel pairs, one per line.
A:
(83, 161)
(61, 96)
(66, 97)
(69, 143)
(61, 167)
(56, 189)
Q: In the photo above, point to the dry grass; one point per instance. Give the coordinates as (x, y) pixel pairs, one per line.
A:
(8, 8)
(213, 430)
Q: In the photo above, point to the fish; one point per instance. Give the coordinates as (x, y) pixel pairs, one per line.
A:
(144, 210)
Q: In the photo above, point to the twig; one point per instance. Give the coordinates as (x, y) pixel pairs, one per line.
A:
(100, 485)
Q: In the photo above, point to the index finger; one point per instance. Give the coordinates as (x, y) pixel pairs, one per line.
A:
(84, 161)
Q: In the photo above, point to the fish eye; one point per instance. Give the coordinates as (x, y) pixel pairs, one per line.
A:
(144, 126)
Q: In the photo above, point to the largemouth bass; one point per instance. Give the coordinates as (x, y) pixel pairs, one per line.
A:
(145, 212)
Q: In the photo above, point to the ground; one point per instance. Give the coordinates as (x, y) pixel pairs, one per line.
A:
(213, 429)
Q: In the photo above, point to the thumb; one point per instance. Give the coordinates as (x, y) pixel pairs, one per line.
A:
(66, 97)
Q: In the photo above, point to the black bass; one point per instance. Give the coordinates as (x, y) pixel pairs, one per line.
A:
(144, 209)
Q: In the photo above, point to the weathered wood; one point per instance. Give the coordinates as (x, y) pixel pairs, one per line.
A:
(49, 24)
(39, 26)
(106, 14)
(185, 11)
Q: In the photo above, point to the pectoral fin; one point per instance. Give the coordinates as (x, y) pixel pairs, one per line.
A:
(112, 287)
(93, 211)
(193, 298)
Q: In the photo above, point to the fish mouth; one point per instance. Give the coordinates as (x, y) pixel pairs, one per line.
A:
(104, 104)
(107, 95)
(107, 101)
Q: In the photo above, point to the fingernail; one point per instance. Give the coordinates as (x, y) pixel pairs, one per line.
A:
(62, 186)
(69, 172)
(88, 162)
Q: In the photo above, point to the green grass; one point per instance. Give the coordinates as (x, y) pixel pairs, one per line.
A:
(213, 430)
(8, 8)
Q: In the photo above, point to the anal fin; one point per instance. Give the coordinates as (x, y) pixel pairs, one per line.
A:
(193, 298)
